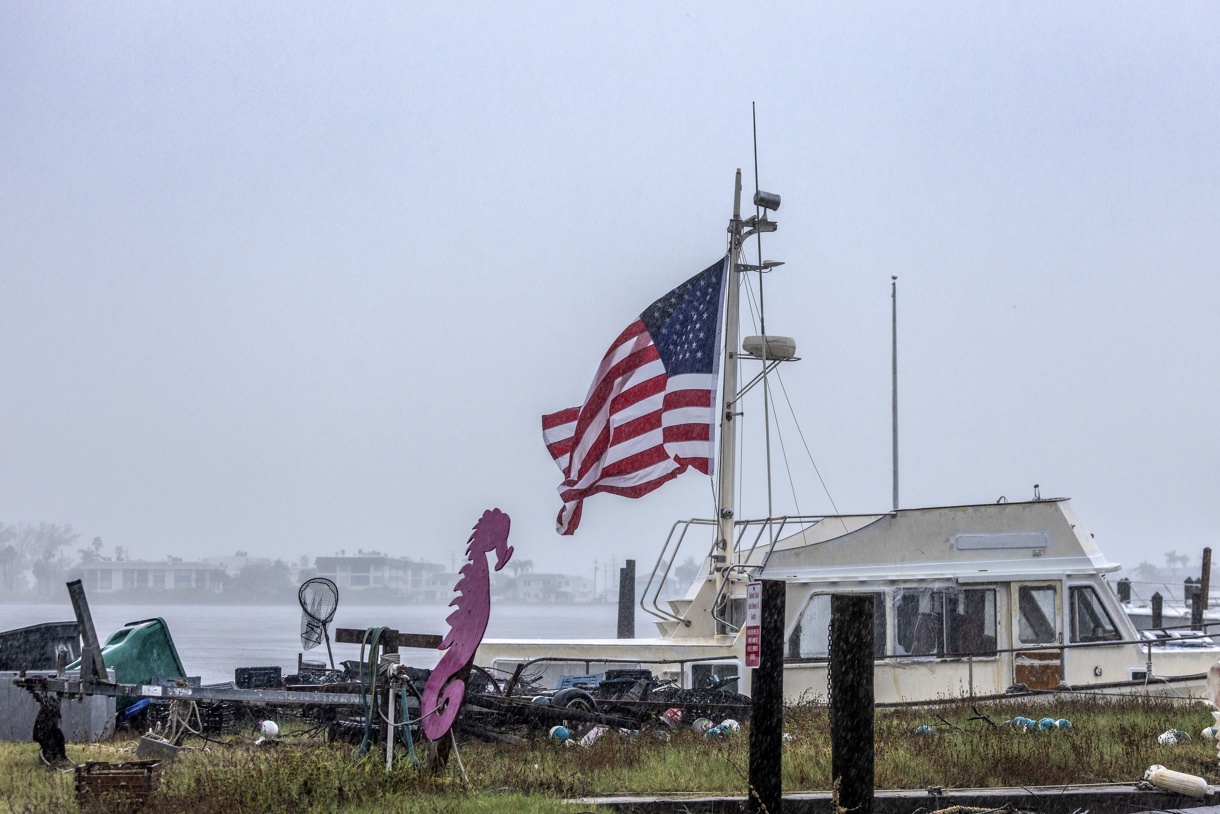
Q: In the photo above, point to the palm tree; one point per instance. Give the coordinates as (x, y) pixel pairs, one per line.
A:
(519, 567)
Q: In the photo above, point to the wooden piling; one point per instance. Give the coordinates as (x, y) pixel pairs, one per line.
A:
(767, 705)
(626, 601)
(851, 701)
(1205, 585)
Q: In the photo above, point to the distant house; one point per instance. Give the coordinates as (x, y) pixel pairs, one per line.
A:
(554, 588)
(133, 575)
(439, 586)
(375, 570)
(233, 565)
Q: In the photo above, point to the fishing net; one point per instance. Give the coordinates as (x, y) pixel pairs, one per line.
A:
(319, 599)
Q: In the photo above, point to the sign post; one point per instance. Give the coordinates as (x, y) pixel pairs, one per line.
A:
(754, 592)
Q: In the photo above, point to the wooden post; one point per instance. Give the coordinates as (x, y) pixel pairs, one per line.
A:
(1206, 579)
(767, 706)
(1157, 602)
(851, 701)
(626, 601)
(1196, 612)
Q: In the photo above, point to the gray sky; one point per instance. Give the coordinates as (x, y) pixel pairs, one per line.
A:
(295, 278)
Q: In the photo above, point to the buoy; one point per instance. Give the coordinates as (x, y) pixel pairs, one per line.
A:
(1209, 733)
(593, 734)
(269, 729)
(1177, 782)
(560, 733)
(716, 732)
(924, 729)
(1172, 737)
(1047, 723)
(1063, 723)
(730, 725)
(701, 725)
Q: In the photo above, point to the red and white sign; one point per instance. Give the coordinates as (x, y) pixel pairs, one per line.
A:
(753, 623)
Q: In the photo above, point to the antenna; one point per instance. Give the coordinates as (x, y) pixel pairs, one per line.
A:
(762, 325)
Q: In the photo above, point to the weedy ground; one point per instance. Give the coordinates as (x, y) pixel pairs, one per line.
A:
(1110, 741)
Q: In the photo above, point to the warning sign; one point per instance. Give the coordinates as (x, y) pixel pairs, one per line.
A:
(753, 623)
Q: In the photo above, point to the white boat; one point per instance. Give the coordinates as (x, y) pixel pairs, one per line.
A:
(970, 601)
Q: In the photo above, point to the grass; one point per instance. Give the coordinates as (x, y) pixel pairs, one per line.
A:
(1111, 741)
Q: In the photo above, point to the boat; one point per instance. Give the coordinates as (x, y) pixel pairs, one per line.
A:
(37, 647)
(1175, 616)
(970, 601)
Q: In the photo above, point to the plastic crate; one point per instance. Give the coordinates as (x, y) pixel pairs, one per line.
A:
(116, 787)
(258, 678)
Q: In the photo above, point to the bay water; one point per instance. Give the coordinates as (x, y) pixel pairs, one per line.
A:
(214, 640)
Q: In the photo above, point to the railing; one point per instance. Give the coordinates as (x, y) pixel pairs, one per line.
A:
(1149, 646)
(743, 564)
(656, 610)
(588, 663)
(740, 560)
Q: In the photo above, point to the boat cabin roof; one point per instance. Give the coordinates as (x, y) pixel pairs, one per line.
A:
(993, 542)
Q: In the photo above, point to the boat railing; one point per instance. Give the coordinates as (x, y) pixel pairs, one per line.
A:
(743, 559)
(665, 562)
(588, 664)
(1150, 646)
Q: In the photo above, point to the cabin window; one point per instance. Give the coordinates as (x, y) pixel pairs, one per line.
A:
(1089, 619)
(1039, 622)
(715, 675)
(810, 638)
(944, 622)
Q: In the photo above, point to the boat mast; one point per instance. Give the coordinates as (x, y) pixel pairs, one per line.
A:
(726, 459)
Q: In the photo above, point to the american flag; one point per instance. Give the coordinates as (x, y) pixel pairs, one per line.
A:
(651, 410)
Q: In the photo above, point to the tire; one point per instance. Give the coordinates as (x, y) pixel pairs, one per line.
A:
(574, 698)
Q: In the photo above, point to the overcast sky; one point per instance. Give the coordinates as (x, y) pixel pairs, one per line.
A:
(295, 278)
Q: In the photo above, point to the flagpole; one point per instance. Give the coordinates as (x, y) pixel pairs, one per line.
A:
(894, 375)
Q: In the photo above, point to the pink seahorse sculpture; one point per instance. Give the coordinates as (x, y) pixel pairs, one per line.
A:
(444, 689)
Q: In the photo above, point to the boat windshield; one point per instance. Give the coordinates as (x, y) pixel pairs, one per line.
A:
(1089, 620)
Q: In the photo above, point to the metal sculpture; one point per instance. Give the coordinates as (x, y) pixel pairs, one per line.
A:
(442, 696)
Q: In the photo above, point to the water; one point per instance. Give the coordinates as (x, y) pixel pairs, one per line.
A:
(213, 640)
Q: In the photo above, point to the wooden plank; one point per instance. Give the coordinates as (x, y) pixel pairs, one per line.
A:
(422, 641)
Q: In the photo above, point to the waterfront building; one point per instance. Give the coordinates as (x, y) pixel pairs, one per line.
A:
(166, 575)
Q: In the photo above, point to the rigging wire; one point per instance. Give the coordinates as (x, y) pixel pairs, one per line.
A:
(796, 421)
